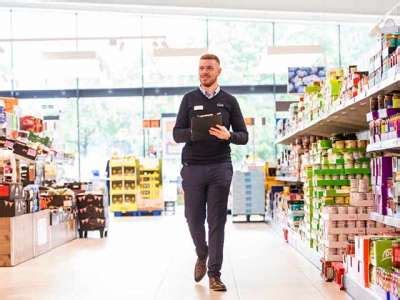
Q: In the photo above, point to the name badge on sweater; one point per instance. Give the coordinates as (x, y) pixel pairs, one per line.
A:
(198, 107)
(220, 105)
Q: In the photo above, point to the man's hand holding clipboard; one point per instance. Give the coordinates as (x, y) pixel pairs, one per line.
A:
(220, 132)
(208, 127)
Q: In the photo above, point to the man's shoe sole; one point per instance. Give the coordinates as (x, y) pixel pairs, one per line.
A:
(219, 289)
(199, 279)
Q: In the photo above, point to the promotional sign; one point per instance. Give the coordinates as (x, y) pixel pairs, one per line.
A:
(300, 77)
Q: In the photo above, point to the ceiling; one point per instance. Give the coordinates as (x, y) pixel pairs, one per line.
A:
(349, 10)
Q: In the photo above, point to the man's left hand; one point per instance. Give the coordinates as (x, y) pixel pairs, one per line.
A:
(220, 132)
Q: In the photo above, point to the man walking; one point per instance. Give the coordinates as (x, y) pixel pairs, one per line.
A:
(207, 169)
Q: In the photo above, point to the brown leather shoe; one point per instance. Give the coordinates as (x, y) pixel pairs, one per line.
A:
(200, 269)
(217, 285)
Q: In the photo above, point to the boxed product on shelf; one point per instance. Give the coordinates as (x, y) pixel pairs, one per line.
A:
(355, 82)
(12, 202)
(31, 197)
(57, 197)
(61, 215)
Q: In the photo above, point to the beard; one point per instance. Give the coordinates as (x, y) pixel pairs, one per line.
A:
(208, 82)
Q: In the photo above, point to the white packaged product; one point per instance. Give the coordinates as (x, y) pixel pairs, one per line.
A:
(352, 210)
(333, 237)
(332, 224)
(332, 251)
(333, 210)
(361, 224)
(370, 196)
(362, 210)
(341, 224)
(353, 185)
(351, 224)
(342, 210)
(342, 238)
(363, 185)
(362, 196)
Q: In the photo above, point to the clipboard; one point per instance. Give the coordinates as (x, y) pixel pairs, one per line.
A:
(201, 124)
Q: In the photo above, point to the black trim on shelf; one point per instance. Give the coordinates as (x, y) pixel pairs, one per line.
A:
(132, 92)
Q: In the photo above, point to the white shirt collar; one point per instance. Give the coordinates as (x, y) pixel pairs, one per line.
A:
(205, 93)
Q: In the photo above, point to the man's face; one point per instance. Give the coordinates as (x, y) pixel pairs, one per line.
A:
(209, 71)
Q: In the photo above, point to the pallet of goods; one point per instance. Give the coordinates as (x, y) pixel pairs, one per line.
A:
(150, 198)
(248, 193)
(124, 184)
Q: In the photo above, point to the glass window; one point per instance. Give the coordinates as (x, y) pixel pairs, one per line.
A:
(356, 44)
(108, 126)
(5, 32)
(240, 45)
(44, 63)
(5, 51)
(5, 66)
(171, 57)
(60, 117)
(154, 108)
(324, 35)
(262, 134)
(115, 58)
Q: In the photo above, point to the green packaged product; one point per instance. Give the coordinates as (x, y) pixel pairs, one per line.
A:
(324, 144)
(382, 253)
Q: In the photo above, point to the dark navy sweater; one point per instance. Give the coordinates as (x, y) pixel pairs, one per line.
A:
(209, 151)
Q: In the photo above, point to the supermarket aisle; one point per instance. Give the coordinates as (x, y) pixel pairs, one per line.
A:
(152, 258)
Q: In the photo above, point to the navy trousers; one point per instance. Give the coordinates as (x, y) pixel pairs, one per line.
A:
(206, 190)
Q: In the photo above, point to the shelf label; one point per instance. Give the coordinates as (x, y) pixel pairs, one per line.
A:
(9, 144)
(32, 152)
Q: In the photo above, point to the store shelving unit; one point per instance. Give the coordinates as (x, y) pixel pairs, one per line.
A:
(387, 220)
(347, 116)
(389, 145)
(288, 179)
(356, 291)
(294, 240)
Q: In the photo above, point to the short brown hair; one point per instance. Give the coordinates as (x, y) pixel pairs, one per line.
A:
(210, 56)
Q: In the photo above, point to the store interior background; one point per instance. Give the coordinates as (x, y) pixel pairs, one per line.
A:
(122, 76)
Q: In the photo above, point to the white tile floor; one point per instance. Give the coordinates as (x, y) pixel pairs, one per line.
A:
(153, 257)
